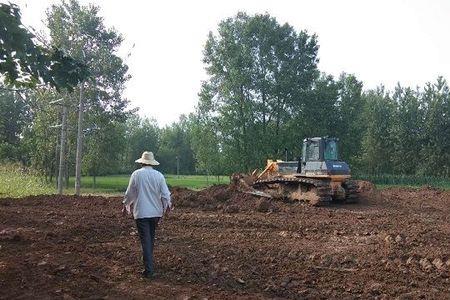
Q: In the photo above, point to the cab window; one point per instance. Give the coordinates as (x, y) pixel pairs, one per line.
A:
(330, 152)
(312, 151)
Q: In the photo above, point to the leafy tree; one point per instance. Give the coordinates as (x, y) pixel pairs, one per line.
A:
(25, 63)
(141, 135)
(106, 145)
(377, 144)
(407, 128)
(80, 32)
(14, 116)
(350, 124)
(435, 152)
(318, 115)
(258, 71)
(175, 146)
(205, 141)
(41, 137)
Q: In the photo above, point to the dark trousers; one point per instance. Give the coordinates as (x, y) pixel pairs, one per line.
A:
(146, 228)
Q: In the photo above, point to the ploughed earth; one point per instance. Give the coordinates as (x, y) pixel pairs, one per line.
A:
(222, 244)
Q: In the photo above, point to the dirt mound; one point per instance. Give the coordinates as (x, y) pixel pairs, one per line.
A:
(222, 197)
(365, 186)
(219, 192)
(208, 199)
(229, 199)
(184, 197)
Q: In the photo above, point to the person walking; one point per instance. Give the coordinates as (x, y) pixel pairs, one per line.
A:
(148, 197)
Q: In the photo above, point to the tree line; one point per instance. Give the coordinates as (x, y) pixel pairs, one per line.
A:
(264, 93)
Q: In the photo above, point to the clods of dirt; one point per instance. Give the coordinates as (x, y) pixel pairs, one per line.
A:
(365, 186)
(220, 197)
(230, 200)
(219, 244)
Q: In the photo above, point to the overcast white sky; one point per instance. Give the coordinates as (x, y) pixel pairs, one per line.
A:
(381, 42)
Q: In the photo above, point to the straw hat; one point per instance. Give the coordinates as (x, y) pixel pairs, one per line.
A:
(147, 158)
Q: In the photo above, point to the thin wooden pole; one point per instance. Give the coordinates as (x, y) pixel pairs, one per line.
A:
(62, 150)
(79, 144)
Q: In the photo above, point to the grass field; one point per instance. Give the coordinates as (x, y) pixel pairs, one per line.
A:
(16, 183)
(119, 183)
(414, 181)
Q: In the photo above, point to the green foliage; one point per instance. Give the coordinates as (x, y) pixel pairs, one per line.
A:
(105, 144)
(141, 135)
(24, 63)
(14, 116)
(377, 145)
(166, 143)
(259, 75)
(435, 150)
(175, 145)
(264, 93)
(350, 126)
(205, 141)
(19, 181)
(80, 31)
(407, 130)
(40, 138)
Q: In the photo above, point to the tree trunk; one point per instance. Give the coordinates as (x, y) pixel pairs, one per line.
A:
(277, 127)
(55, 166)
(66, 171)
(264, 114)
(243, 151)
(79, 144)
(62, 154)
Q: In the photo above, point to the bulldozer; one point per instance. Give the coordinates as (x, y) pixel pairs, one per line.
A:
(318, 177)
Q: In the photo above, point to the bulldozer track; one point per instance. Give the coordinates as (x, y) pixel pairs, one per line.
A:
(322, 186)
(351, 190)
(312, 181)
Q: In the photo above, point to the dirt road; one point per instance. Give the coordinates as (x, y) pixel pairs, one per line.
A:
(219, 244)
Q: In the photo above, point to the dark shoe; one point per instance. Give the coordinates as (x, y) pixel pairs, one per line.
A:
(147, 275)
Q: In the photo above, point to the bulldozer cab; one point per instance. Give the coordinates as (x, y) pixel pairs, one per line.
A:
(320, 157)
(320, 149)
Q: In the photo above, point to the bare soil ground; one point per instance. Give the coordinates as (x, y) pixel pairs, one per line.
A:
(221, 244)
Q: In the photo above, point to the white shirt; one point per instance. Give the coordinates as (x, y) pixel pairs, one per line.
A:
(148, 192)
